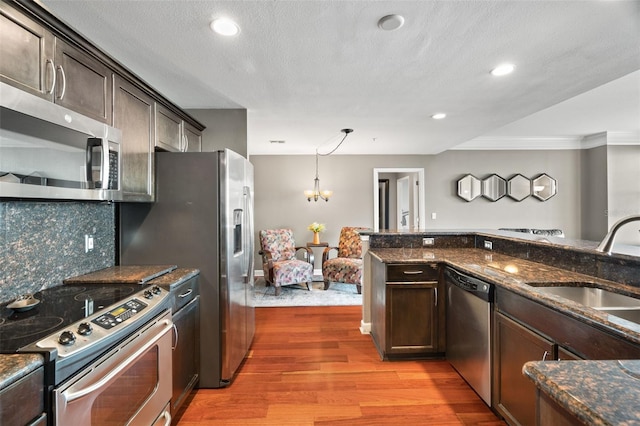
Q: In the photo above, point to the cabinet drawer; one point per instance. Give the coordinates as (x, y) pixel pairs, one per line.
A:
(184, 293)
(412, 272)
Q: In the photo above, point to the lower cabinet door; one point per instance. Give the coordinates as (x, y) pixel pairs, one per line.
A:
(186, 353)
(412, 327)
(514, 394)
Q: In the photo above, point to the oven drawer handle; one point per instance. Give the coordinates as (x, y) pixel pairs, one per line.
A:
(412, 272)
(168, 325)
(186, 293)
(167, 418)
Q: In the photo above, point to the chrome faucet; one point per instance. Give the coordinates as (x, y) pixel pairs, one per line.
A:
(607, 242)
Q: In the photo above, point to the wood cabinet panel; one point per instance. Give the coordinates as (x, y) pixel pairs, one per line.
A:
(582, 339)
(27, 50)
(514, 395)
(186, 365)
(133, 114)
(83, 83)
(407, 319)
(193, 137)
(168, 130)
(23, 402)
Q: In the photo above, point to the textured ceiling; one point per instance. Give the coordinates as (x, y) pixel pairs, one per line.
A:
(306, 69)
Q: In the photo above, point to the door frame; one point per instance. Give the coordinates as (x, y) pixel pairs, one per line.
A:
(421, 201)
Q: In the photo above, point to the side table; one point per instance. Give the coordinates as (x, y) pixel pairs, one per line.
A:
(317, 272)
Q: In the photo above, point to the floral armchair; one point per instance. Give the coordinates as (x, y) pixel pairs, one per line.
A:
(346, 267)
(279, 262)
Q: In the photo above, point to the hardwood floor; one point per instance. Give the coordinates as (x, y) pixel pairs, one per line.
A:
(312, 366)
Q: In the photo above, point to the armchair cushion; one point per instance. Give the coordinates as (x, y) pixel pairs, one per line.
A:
(279, 262)
(347, 266)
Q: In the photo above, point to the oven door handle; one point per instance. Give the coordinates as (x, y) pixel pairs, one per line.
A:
(168, 325)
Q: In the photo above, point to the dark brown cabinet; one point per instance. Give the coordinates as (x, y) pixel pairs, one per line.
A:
(514, 395)
(407, 315)
(27, 50)
(186, 344)
(23, 401)
(175, 134)
(36, 61)
(133, 114)
(83, 84)
(193, 138)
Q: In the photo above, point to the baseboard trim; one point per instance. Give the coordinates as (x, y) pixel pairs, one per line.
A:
(365, 327)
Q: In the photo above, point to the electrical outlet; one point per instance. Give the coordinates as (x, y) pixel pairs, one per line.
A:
(488, 245)
(428, 241)
(88, 243)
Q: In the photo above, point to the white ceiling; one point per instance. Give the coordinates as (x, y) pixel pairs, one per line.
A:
(306, 69)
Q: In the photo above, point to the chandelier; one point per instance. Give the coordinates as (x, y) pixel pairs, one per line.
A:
(316, 193)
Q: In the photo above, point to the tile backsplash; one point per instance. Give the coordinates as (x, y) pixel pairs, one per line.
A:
(43, 242)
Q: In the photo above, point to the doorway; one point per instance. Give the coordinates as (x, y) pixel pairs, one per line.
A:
(385, 201)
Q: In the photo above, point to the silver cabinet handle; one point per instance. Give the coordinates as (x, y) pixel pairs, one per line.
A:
(64, 82)
(167, 418)
(175, 333)
(186, 293)
(186, 143)
(53, 76)
(544, 356)
(411, 272)
(436, 289)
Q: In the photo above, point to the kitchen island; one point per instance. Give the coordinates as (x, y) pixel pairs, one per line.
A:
(519, 269)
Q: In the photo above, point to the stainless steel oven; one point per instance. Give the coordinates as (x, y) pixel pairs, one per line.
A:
(106, 348)
(130, 385)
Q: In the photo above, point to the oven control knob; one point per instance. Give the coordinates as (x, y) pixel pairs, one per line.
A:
(67, 338)
(84, 329)
(148, 294)
(156, 290)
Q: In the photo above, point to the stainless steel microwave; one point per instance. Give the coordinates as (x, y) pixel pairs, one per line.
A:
(50, 152)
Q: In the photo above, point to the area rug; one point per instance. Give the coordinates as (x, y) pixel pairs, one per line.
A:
(298, 295)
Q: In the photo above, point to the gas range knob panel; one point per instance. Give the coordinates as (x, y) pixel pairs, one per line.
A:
(156, 290)
(84, 329)
(67, 338)
(148, 294)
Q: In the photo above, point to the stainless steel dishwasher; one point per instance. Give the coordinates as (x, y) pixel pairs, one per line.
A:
(469, 330)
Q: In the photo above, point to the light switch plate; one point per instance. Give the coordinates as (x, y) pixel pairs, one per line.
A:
(428, 241)
(488, 245)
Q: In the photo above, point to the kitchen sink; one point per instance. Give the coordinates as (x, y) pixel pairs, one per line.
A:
(593, 297)
(632, 315)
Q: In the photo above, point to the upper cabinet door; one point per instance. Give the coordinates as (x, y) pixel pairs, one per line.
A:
(83, 83)
(133, 113)
(193, 138)
(26, 53)
(168, 130)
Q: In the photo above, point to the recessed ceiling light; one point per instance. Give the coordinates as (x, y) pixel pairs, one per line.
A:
(503, 69)
(439, 116)
(225, 27)
(391, 22)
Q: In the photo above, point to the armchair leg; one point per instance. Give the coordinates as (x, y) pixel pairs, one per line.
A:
(359, 288)
(309, 285)
(326, 285)
(278, 290)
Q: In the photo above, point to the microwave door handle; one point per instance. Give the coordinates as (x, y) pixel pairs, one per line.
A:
(91, 143)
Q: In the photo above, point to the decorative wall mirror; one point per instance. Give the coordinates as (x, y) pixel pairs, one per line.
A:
(518, 187)
(469, 187)
(544, 187)
(494, 187)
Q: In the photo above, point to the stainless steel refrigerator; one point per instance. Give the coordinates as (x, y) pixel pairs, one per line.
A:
(202, 218)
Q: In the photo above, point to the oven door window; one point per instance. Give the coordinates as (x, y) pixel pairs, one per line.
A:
(130, 385)
(118, 402)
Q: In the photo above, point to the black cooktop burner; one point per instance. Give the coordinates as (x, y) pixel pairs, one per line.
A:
(59, 306)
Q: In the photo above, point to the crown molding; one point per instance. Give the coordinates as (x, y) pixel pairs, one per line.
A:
(506, 143)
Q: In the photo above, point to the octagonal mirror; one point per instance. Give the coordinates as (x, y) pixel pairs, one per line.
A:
(518, 187)
(494, 187)
(469, 187)
(544, 187)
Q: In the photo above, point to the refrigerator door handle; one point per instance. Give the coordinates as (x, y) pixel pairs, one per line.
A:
(249, 234)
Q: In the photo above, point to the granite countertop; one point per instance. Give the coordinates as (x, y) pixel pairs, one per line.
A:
(596, 392)
(134, 274)
(514, 274)
(15, 366)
